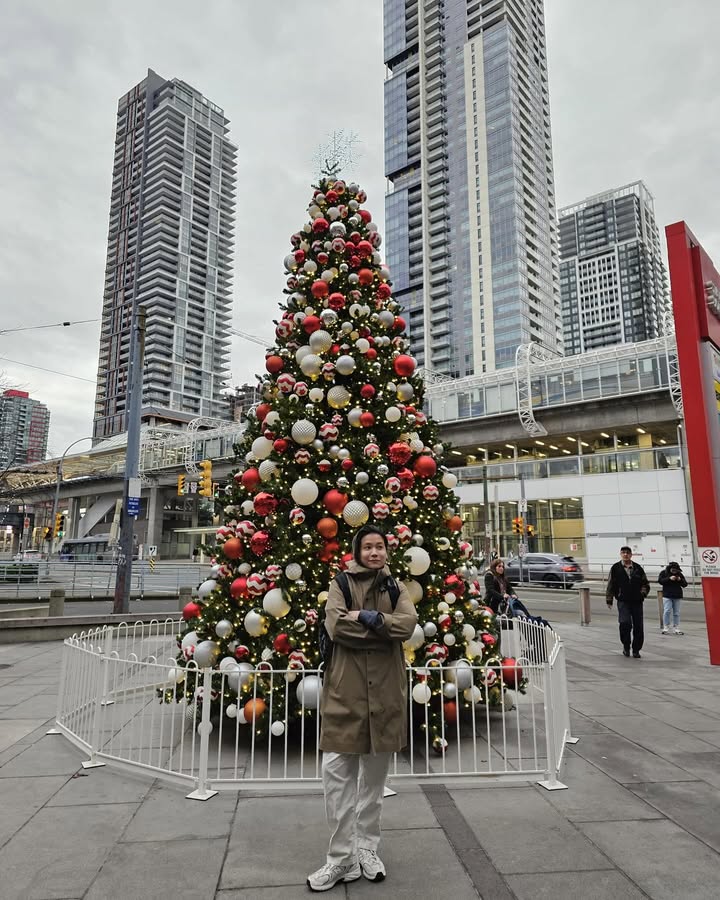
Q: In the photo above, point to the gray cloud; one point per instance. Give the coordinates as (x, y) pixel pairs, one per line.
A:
(633, 95)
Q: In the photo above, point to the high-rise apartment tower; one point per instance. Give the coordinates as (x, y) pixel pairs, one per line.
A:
(613, 280)
(170, 247)
(24, 426)
(470, 213)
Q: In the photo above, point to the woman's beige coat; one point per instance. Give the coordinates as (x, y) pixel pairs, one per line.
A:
(364, 698)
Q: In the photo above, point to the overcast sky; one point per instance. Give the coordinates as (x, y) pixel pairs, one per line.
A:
(634, 93)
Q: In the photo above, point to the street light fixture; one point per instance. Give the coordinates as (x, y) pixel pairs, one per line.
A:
(59, 478)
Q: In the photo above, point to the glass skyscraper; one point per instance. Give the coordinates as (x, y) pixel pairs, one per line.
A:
(470, 214)
(170, 245)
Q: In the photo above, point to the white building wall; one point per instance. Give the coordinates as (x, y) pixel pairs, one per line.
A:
(646, 510)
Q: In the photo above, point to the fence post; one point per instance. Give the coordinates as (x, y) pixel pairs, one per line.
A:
(57, 602)
(202, 792)
(550, 782)
(107, 651)
(660, 606)
(94, 762)
(585, 611)
(61, 692)
(184, 596)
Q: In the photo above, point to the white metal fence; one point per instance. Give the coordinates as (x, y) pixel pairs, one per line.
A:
(95, 579)
(109, 705)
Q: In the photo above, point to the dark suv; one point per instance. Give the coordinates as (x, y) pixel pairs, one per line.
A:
(550, 569)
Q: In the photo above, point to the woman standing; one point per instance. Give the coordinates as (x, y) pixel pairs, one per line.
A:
(364, 710)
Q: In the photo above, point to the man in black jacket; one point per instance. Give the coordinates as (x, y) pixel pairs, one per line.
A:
(628, 585)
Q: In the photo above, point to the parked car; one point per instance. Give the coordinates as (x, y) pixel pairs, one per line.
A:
(549, 569)
(29, 556)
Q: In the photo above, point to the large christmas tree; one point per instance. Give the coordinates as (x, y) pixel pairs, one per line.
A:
(340, 439)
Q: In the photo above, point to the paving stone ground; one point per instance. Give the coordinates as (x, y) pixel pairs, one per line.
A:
(640, 818)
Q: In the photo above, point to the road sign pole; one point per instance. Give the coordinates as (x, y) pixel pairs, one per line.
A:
(522, 507)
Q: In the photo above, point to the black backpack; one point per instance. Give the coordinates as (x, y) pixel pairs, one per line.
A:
(325, 644)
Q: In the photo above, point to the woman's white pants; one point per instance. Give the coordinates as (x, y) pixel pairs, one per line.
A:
(354, 785)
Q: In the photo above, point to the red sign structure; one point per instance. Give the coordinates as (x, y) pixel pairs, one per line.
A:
(695, 285)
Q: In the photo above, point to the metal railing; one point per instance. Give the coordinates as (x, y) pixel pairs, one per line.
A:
(94, 579)
(113, 679)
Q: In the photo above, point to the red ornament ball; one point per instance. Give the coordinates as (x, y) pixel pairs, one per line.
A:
(371, 354)
(399, 453)
(242, 652)
(450, 712)
(346, 465)
(250, 479)
(400, 324)
(327, 527)
(320, 225)
(280, 445)
(455, 523)
(367, 392)
(511, 672)
(383, 291)
(260, 543)
(336, 301)
(274, 364)
(239, 589)
(191, 610)
(261, 410)
(365, 215)
(404, 365)
(367, 419)
(233, 548)
(255, 709)
(425, 466)
(265, 503)
(282, 644)
(328, 552)
(364, 248)
(311, 323)
(366, 276)
(319, 289)
(335, 502)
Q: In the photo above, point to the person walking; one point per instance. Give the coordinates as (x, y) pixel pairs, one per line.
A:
(628, 584)
(673, 581)
(364, 710)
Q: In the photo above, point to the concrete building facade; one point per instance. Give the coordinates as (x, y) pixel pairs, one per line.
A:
(470, 212)
(170, 247)
(24, 426)
(613, 280)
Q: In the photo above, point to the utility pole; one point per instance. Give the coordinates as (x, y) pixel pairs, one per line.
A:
(523, 514)
(131, 486)
(487, 548)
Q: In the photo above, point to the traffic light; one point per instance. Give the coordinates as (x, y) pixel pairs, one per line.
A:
(58, 525)
(206, 485)
(517, 525)
(530, 530)
(181, 485)
(47, 533)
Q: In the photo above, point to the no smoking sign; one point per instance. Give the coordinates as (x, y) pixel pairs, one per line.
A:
(709, 562)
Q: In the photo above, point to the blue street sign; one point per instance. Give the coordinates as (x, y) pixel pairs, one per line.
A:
(133, 506)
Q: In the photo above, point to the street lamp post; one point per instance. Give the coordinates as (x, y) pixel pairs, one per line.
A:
(59, 481)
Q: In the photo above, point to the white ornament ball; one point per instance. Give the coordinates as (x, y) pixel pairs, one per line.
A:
(414, 589)
(241, 677)
(303, 432)
(416, 639)
(255, 624)
(277, 729)
(356, 513)
(353, 417)
(206, 588)
(405, 392)
(275, 604)
(449, 480)
(311, 364)
(430, 629)
(224, 628)
(231, 711)
(175, 675)
(449, 639)
(362, 344)
(189, 640)
(267, 470)
(345, 364)
(227, 664)
(206, 654)
(261, 448)
(468, 632)
(320, 341)
(308, 692)
(421, 693)
(459, 672)
(338, 396)
(417, 560)
(449, 690)
(316, 395)
(392, 414)
(304, 491)
(293, 571)
(362, 477)
(473, 694)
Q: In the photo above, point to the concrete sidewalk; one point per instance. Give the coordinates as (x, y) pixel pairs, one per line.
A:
(641, 817)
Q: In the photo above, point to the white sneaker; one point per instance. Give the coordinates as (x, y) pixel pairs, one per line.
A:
(676, 630)
(329, 875)
(665, 630)
(371, 865)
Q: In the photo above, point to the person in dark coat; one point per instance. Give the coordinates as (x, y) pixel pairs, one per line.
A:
(673, 581)
(498, 589)
(628, 584)
(364, 710)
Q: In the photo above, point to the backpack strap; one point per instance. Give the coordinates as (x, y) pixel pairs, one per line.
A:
(393, 589)
(342, 580)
